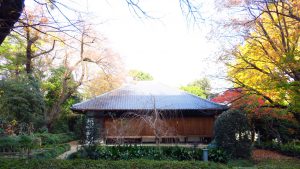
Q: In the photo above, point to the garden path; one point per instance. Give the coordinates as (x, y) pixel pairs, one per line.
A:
(259, 154)
(75, 146)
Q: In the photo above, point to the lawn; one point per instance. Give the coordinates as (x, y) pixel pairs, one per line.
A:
(265, 164)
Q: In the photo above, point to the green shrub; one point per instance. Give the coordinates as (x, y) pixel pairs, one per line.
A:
(232, 133)
(217, 155)
(27, 142)
(16, 143)
(48, 138)
(9, 144)
(284, 130)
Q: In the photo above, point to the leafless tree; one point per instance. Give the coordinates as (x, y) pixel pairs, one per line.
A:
(132, 123)
(77, 63)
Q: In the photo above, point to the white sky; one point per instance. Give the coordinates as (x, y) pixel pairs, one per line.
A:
(168, 48)
(172, 51)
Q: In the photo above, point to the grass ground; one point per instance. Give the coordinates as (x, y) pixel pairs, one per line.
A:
(265, 164)
(266, 159)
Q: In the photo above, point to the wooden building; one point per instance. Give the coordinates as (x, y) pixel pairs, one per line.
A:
(148, 111)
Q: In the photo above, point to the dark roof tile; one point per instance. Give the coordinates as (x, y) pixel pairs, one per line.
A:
(147, 95)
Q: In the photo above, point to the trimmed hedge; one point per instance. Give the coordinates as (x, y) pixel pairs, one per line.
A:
(146, 152)
(135, 152)
(52, 152)
(107, 164)
(289, 149)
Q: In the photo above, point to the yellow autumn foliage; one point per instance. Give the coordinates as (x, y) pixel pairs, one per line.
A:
(268, 61)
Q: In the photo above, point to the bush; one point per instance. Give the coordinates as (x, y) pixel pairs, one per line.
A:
(217, 155)
(98, 164)
(9, 144)
(48, 138)
(232, 133)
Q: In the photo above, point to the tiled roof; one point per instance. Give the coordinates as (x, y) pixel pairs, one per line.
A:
(146, 95)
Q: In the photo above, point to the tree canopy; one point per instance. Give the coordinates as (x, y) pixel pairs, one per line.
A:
(140, 75)
(267, 63)
(200, 87)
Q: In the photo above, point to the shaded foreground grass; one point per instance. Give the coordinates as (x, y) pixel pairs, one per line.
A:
(144, 164)
(265, 164)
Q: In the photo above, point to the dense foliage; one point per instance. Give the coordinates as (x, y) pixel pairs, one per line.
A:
(232, 133)
(21, 100)
(281, 129)
(270, 123)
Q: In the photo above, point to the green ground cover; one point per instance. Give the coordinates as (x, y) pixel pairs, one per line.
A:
(144, 164)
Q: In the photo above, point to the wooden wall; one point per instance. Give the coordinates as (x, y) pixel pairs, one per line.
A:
(131, 127)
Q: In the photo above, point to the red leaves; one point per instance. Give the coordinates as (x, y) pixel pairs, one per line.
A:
(254, 105)
(228, 96)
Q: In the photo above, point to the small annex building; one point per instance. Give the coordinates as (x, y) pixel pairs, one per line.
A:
(147, 111)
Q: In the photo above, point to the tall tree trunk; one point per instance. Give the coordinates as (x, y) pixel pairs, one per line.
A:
(28, 54)
(10, 11)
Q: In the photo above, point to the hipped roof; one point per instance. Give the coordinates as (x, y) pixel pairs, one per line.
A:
(146, 95)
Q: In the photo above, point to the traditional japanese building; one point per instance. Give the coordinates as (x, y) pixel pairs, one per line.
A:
(148, 111)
